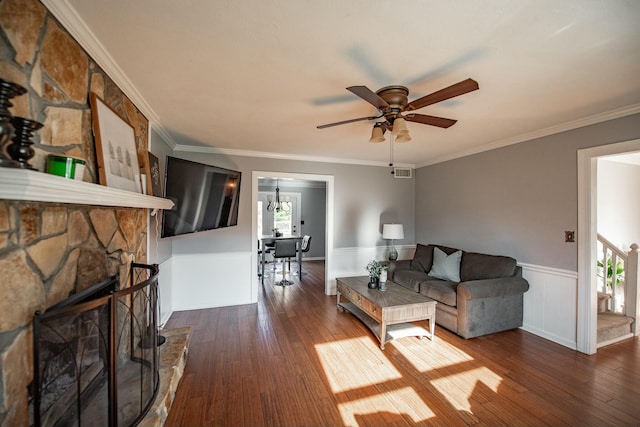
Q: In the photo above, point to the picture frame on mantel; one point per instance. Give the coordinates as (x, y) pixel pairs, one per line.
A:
(154, 177)
(115, 148)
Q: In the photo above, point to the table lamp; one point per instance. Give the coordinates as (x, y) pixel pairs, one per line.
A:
(392, 232)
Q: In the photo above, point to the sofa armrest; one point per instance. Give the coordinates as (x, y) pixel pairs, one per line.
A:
(403, 264)
(490, 288)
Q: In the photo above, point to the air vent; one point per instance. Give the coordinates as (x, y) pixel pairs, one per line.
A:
(402, 172)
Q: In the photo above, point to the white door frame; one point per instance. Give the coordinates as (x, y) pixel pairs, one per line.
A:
(328, 248)
(586, 334)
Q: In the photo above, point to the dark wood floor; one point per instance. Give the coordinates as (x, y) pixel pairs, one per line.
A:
(293, 359)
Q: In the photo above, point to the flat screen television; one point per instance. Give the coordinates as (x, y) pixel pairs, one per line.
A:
(206, 197)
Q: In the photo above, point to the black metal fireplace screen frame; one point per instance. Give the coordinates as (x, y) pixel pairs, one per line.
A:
(95, 354)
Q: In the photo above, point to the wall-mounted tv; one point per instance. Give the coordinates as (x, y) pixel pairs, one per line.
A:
(206, 197)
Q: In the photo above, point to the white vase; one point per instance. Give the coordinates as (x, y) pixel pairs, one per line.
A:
(383, 280)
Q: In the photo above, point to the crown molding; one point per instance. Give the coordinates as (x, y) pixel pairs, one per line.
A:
(73, 23)
(284, 156)
(162, 132)
(574, 124)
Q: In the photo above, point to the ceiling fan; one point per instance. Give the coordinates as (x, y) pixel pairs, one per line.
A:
(392, 102)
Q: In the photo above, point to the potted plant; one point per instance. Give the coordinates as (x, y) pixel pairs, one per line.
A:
(374, 268)
(618, 274)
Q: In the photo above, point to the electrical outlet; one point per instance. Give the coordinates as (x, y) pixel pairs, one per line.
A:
(570, 236)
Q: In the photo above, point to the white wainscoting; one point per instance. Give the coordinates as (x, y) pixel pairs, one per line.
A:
(165, 285)
(210, 280)
(196, 281)
(550, 305)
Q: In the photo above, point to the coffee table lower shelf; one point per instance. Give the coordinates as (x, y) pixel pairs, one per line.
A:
(394, 331)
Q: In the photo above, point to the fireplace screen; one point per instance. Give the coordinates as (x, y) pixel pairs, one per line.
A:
(96, 355)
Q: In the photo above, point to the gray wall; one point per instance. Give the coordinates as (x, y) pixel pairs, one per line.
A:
(516, 200)
(364, 198)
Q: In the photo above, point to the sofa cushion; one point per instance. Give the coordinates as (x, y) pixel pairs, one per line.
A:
(440, 290)
(446, 267)
(423, 257)
(475, 266)
(410, 279)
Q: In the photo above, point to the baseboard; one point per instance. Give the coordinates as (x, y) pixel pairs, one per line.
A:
(549, 336)
(165, 318)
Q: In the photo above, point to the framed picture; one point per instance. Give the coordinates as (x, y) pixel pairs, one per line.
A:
(115, 148)
(155, 177)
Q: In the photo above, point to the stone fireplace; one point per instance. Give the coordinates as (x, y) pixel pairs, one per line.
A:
(49, 253)
(49, 250)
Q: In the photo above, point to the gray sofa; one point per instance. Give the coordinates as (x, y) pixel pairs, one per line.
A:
(486, 299)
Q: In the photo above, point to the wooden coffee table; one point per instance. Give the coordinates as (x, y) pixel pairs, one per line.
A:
(386, 313)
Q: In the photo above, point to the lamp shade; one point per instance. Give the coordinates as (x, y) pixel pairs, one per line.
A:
(376, 134)
(392, 231)
(399, 126)
(403, 137)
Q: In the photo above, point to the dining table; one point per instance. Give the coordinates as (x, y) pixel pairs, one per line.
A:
(265, 239)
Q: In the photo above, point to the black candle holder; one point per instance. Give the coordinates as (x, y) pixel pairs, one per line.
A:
(21, 150)
(8, 90)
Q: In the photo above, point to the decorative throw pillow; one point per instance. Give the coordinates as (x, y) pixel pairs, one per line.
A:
(446, 267)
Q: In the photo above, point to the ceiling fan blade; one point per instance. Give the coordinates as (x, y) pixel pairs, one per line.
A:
(457, 89)
(441, 122)
(344, 122)
(369, 96)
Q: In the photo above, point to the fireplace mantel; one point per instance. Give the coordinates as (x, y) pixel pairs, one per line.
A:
(28, 185)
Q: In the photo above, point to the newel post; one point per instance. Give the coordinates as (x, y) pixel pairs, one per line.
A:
(632, 286)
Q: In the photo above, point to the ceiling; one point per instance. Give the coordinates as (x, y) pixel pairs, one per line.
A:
(629, 158)
(257, 76)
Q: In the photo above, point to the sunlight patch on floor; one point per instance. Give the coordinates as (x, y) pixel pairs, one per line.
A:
(458, 388)
(354, 363)
(438, 354)
(387, 405)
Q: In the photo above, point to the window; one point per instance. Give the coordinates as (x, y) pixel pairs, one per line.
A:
(282, 221)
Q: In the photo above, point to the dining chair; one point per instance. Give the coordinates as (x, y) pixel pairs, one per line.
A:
(304, 247)
(285, 250)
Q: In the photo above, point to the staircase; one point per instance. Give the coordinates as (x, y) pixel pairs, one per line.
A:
(618, 305)
(612, 327)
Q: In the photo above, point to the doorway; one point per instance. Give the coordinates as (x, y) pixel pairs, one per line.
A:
(328, 180)
(586, 334)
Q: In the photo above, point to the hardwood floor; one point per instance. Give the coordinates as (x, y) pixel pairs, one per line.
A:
(293, 359)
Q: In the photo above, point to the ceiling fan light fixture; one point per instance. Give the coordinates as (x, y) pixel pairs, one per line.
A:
(403, 137)
(399, 126)
(376, 134)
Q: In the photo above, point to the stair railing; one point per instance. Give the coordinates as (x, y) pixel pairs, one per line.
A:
(619, 268)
